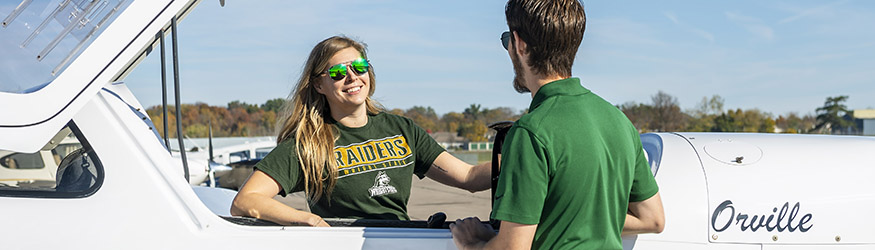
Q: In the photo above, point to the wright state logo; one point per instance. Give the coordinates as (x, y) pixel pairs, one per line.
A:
(381, 185)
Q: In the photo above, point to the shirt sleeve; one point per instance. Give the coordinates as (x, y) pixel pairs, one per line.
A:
(522, 183)
(644, 184)
(425, 148)
(281, 164)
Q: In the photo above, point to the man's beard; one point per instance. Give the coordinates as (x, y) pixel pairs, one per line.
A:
(518, 83)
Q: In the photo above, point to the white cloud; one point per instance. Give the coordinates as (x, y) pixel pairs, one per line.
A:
(821, 10)
(619, 31)
(704, 34)
(762, 31)
(689, 28)
(752, 24)
(732, 16)
(672, 17)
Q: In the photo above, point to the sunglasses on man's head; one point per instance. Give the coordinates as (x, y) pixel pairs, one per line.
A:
(505, 39)
(338, 72)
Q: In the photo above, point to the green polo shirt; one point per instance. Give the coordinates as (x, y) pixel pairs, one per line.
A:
(572, 165)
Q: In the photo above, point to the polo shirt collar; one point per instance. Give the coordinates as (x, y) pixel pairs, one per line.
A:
(568, 86)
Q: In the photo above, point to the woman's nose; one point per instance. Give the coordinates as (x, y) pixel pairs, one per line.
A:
(351, 76)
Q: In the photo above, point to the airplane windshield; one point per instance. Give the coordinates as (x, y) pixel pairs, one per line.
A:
(39, 39)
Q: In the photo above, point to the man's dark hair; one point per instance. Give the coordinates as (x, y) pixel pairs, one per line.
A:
(552, 29)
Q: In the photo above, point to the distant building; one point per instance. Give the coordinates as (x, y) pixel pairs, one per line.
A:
(452, 141)
(479, 146)
(865, 120)
(449, 140)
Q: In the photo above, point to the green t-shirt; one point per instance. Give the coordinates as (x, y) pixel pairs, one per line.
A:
(572, 165)
(375, 163)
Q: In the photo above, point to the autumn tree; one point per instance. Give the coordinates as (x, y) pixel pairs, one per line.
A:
(451, 121)
(641, 115)
(662, 114)
(499, 114)
(793, 123)
(667, 115)
(425, 117)
(156, 115)
(396, 111)
(476, 118)
(237, 119)
(475, 131)
(471, 123)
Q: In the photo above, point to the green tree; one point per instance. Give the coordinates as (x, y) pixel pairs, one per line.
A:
(703, 115)
(831, 117)
(725, 122)
(249, 108)
(738, 120)
(472, 112)
(274, 105)
(197, 130)
(709, 106)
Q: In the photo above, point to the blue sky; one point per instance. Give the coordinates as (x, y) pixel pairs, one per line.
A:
(778, 56)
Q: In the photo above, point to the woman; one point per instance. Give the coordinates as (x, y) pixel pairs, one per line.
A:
(337, 145)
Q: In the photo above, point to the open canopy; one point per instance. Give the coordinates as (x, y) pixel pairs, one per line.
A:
(56, 55)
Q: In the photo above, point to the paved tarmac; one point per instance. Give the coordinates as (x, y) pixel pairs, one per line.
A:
(426, 198)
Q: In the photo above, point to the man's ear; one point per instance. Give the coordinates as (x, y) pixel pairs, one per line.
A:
(519, 46)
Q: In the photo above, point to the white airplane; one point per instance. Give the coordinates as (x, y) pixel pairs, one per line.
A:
(227, 150)
(227, 165)
(61, 66)
(761, 191)
(36, 169)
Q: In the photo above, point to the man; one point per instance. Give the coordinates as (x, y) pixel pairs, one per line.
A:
(573, 172)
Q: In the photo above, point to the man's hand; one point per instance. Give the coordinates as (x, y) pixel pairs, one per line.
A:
(471, 233)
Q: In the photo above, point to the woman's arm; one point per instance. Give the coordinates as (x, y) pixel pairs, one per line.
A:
(255, 199)
(451, 171)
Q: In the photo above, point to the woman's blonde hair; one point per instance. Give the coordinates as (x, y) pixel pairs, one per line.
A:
(305, 117)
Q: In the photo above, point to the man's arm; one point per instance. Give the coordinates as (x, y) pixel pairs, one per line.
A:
(646, 216)
(451, 171)
(255, 199)
(470, 233)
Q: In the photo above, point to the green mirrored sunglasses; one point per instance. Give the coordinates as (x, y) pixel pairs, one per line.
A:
(338, 72)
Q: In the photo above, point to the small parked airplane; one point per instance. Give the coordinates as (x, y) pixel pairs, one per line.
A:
(62, 66)
(227, 163)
